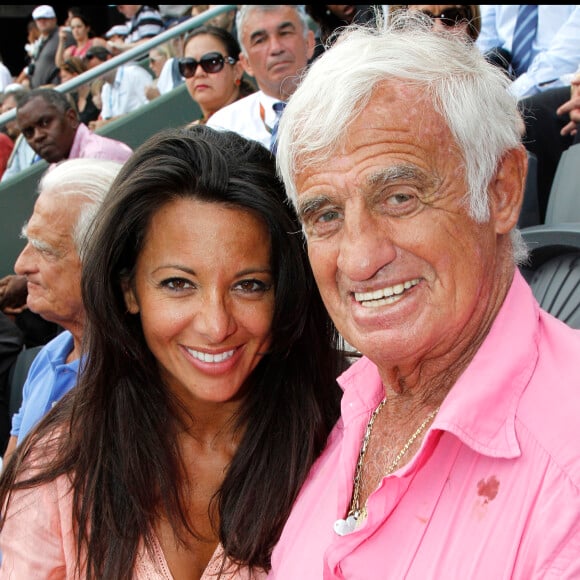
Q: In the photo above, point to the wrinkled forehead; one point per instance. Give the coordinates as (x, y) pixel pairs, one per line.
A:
(398, 112)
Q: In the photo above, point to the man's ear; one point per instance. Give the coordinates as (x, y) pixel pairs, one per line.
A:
(246, 64)
(506, 189)
(73, 118)
(130, 298)
(311, 43)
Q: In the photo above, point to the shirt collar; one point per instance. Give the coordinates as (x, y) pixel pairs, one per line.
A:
(481, 407)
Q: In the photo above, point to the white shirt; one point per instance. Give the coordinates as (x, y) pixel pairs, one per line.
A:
(127, 93)
(556, 46)
(165, 82)
(6, 77)
(252, 117)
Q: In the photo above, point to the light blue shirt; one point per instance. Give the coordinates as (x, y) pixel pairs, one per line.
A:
(22, 156)
(556, 47)
(49, 378)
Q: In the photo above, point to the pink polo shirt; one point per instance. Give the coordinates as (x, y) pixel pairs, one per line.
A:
(494, 492)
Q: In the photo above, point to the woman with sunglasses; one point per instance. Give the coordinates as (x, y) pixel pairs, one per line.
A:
(213, 73)
(465, 19)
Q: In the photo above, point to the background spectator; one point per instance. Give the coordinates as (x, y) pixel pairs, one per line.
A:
(49, 122)
(555, 50)
(43, 69)
(6, 77)
(69, 197)
(31, 50)
(115, 35)
(82, 96)
(465, 19)
(123, 89)
(223, 82)
(162, 58)
(83, 37)
(330, 18)
(143, 21)
(277, 44)
(23, 155)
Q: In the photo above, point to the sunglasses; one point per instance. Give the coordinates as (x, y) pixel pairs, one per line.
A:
(211, 63)
(451, 16)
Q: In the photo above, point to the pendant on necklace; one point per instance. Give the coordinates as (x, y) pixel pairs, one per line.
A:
(353, 521)
(347, 526)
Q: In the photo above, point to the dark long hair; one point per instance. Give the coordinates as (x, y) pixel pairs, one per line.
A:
(114, 435)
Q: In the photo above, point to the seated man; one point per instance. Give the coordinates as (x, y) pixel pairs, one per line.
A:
(123, 89)
(70, 195)
(50, 124)
(456, 455)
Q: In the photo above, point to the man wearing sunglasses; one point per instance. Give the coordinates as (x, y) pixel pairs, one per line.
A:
(276, 45)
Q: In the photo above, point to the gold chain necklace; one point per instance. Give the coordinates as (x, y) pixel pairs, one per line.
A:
(355, 513)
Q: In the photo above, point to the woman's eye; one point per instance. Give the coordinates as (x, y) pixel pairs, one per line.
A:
(253, 286)
(177, 284)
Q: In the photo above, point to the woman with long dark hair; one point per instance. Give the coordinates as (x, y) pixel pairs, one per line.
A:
(208, 385)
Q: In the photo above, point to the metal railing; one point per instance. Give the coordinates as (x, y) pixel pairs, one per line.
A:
(133, 53)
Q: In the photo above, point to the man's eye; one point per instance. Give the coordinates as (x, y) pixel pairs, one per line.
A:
(328, 216)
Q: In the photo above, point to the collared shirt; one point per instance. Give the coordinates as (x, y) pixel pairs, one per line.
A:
(89, 144)
(49, 378)
(252, 117)
(556, 46)
(85, 144)
(127, 93)
(494, 491)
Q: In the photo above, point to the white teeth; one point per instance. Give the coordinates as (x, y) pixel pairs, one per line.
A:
(387, 295)
(211, 358)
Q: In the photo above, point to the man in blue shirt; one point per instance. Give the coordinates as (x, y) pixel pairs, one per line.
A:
(70, 195)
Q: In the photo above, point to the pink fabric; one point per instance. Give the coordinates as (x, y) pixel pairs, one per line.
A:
(37, 542)
(89, 144)
(494, 491)
(80, 51)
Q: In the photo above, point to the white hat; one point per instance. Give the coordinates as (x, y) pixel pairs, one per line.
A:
(119, 29)
(43, 11)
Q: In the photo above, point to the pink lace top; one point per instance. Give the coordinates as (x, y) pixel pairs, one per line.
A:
(37, 541)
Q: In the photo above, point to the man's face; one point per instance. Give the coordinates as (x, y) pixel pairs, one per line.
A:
(404, 271)
(50, 260)
(45, 25)
(277, 49)
(48, 131)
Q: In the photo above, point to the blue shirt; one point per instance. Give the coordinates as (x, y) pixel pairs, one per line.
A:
(49, 378)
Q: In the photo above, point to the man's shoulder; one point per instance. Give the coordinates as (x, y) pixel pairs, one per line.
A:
(91, 144)
(58, 347)
(223, 117)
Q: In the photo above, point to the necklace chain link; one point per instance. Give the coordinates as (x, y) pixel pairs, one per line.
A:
(355, 509)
